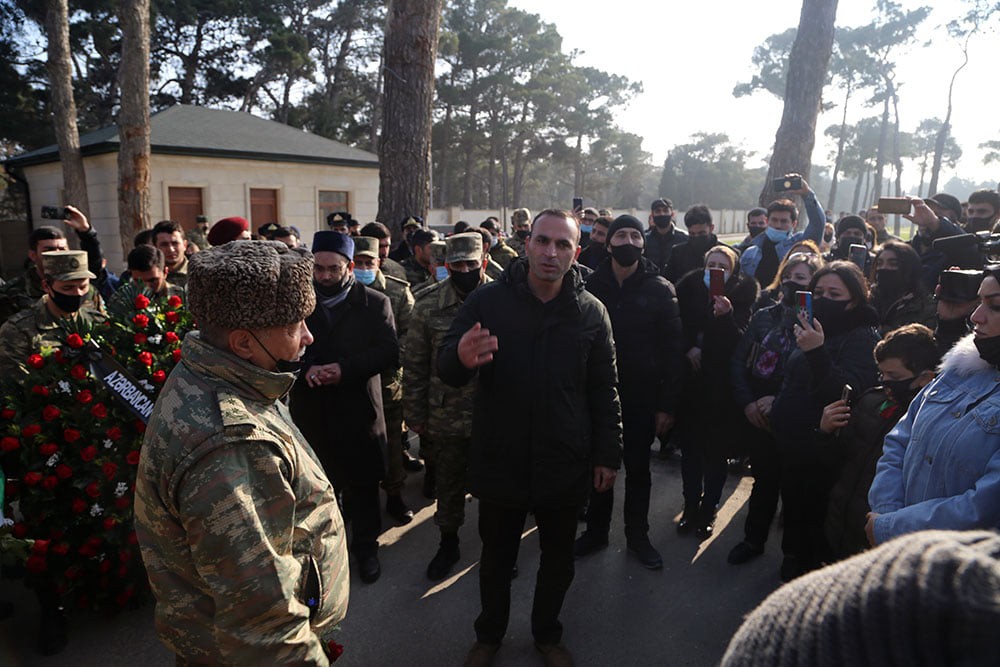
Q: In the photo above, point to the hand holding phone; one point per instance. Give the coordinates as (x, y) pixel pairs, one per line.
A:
(859, 255)
(577, 204)
(847, 395)
(55, 213)
(894, 205)
(804, 304)
(787, 183)
(716, 282)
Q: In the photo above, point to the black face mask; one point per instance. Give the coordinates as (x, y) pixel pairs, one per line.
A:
(521, 234)
(889, 281)
(756, 231)
(626, 254)
(282, 365)
(827, 237)
(900, 392)
(989, 349)
(828, 311)
(701, 243)
(68, 303)
(662, 221)
(466, 282)
(977, 224)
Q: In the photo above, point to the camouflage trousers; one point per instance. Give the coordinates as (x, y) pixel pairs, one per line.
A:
(451, 457)
(395, 474)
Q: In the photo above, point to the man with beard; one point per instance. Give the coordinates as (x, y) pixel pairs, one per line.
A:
(337, 401)
(168, 236)
(647, 330)
(418, 265)
(851, 230)
(756, 224)
(387, 266)
(596, 251)
(983, 212)
(520, 221)
(690, 254)
(662, 235)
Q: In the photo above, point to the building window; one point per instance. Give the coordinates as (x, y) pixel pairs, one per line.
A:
(263, 207)
(185, 205)
(331, 201)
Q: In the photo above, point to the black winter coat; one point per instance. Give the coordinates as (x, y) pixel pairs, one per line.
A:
(686, 257)
(647, 328)
(546, 410)
(344, 422)
(747, 387)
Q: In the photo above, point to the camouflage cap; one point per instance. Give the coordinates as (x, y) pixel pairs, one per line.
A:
(413, 221)
(437, 251)
(464, 247)
(366, 246)
(66, 265)
(251, 285)
(520, 215)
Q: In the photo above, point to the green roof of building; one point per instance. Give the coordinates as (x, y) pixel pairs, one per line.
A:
(199, 131)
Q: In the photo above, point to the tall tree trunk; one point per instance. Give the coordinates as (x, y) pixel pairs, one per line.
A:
(470, 140)
(807, 66)
(841, 140)
(896, 157)
(377, 105)
(64, 106)
(942, 136)
(133, 122)
(411, 40)
(856, 202)
(444, 186)
(880, 153)
(189, 78)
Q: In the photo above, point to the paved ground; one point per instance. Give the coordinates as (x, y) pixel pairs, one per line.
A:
(615, 613)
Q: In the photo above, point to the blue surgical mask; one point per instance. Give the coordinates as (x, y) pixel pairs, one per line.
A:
(494, 240)
(776, 235)
(586, 229)
(441, 272)
(364, 276)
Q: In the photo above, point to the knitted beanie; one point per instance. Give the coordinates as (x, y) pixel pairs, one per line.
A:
(928, 598)
(622, 222)
(251, 285)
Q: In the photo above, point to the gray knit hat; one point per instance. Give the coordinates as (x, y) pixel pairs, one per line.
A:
(251, 285)
(928, 598)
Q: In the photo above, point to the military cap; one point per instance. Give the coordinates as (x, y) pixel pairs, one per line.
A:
(278, 278)
(268, 229)
(520, 214)
(366, 246)
(467, 246)
(438, 251)
(338, 217)
(412, 221)
(66, 265)
(334, 242)
(422, 237)
(229, 229)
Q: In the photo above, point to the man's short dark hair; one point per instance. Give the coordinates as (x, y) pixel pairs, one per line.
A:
(990, 197)
(376, 230)
(166, 227)
(785, 205)
(422, 237)
(913, 345)
(603, 222)
(487, 238)
(144, 257)
(591, 211)
(461, 226)
(283, 233)
(697, 215)
(145, 237)
(489, 225)
(44, 233)
(754, 212)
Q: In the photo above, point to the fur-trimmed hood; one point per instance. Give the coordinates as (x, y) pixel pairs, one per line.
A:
(963, 359)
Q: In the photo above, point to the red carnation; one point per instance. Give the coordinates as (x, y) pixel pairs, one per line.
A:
(60, 549)
(78, 372)
(36, 564)
(105, 566)
(176, 354)
(72, 572)
(48, 449)
(114, 433)
(56, 533)
(50, 482)
(171, 317)
(334, 650)
(39, 390)
(50, 412)
(145, 358)
(123, 502)
(9, 444)
(75, 341)
(78, 505)
(109, 523)
(19, 530)
(40, 547)
(141, 321)
(170, 337)
(140, 339)
(59, 356)
(8, 413)
(32, 478)
(174, 301)
(159, 377)
(133, 457)
(140, 426)
(36, 360)
(31, 430)
(99, 410)
(93, 490)
(63, 471)
(124, 555)
(109, 469)
(141, 302)
(88, 453)
(84, 396)
(71, 435)
(132, 539)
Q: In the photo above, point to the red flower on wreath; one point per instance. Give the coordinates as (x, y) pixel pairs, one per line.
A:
(84, 396)
(32, 478)
(63, 471)
(88, 453)
(48, 449)
(8, 413)
(99, 410)
(123, 502)
(36, 361)
(113, 433)
(176, 354)
(59, 356)
(110, 470)
(39, 390)
(75, 341)
(140, 339)
(171, 317)
(60, 549)
(79, 505)
(133, 457)
(20, 530)
(93, 490)
(145, 358)
(36, 564)
(78, 372)
(50, 412)
(334, 650)
(71, 435)
(9, 444)
(110, 523)
(31, 430)
(140, 426)
(174, 301)
(141, 321)
(141, 302)
(159, 377)
(170, 337)
(50, 482)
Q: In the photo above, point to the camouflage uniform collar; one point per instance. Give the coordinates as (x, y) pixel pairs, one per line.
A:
(33, 283)
(379, 283)
(449, 296)
(44, 319)
(246, 379)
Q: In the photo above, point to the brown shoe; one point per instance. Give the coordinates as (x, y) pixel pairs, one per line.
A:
(481, 655)
(555, 655)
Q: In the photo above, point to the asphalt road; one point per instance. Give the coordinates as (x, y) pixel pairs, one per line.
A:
(615, 613)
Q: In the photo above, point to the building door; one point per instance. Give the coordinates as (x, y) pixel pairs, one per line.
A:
(185, 206)
(263, 207)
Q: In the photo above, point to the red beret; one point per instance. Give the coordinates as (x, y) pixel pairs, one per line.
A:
(227, 229)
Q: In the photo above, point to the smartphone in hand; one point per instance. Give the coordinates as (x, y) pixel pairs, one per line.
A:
(716, 282)
(804, 304)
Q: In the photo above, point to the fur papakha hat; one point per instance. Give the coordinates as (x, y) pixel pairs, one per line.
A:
(251, 285)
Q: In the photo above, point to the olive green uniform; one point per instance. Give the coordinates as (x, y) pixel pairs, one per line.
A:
(502, 253)
(30, 330)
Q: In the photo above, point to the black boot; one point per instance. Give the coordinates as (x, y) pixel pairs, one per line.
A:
(411, 464)
(397, 509)
(689, 519)
(445, 558)
(706, 522)
(429, 491)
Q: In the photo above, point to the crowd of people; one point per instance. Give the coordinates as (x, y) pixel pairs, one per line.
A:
(857, 375)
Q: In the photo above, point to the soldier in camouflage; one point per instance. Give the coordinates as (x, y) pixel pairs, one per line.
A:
(63, 308)
(493, 269)
(520, 220)
(431, 407)
(367, 272)
(499, 251)
(238, 524)
(388, 266)
(199, 234)
(145, 267)
(418, 266)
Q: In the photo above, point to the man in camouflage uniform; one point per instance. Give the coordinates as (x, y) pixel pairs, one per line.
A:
(168, 236)
(199, 235)
(500, 252)
(63, 308)
(520, 221)
(418, 266)
(145, 266)
(238, 524)
(493, 269)
(434, 409)
(368, 273)
(387, 266)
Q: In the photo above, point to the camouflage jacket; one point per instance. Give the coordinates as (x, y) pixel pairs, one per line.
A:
(516, 244)
(502, 253)
(493, 270)
(197, 237)
(401, 302)
(30, 330)
(415, 274)
(20, 293)
(391, 267)
(238, 524)
(444, 411)
(179, 276)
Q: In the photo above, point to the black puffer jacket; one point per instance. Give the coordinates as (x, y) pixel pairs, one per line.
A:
(647, 327)
(746, 386)
(546, 409)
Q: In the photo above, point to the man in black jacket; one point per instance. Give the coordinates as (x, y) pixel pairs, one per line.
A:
(663, 234)
(647, 329)
(690, 254)
(536, 327)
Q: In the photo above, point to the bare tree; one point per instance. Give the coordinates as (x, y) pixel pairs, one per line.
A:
(63, 104)
(807, 72)
(133, 122)
(411, 39)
